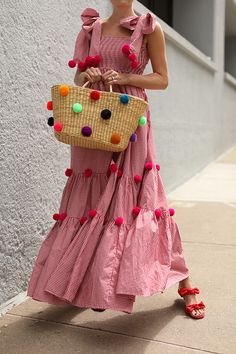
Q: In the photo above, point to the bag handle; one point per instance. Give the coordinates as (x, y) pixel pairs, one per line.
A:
(88, 82)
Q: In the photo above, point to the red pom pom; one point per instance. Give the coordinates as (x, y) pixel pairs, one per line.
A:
(148, 166)
(126, 48)
(88, 60)
(134, 64)
(68, 172)
(82, 220)
(50, 105)
(82, 66)
(119, 173)
(88, 172)
(71, 63)
(119, 221)
(96, 60)
(136, 210)
(113, 167)
(158, 167)
(63, 216)
(132, 56)
(58, 126)
(158, 212)
(137, 178)
(56, 216)
(92, 213)
(171, 211)
(95, 95)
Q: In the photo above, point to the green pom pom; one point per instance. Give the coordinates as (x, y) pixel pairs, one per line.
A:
(142, 120)
(77, 107)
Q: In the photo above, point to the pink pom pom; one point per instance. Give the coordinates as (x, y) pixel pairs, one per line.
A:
(68, 172)
(126, 48)
(134, 64)
(56, 216)
(137, 178)
(58, 126)
(82, 220)
(63, 216)
(113, 167)
(119, 221)
(136, 210)
(92, 213)
(88, 172)
(158, 167)
(71, 63)
(171, 211)
(148, 166)
(132, 56)
(158, 212)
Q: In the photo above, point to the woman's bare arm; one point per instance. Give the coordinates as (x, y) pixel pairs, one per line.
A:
(157, 53)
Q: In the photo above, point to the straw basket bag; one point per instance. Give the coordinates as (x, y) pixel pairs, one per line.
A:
(93, 119)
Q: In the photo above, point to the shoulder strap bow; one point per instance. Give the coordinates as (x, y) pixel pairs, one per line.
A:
(90, 18)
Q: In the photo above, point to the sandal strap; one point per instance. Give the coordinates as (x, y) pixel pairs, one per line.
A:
(188, 291)
(190, 308)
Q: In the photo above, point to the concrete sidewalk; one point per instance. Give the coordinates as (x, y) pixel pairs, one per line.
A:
(206, 215)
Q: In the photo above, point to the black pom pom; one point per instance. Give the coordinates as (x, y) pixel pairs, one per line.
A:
(106, 114)
(51, 121)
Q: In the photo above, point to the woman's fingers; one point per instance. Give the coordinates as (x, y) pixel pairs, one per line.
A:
(110, 75)
(94, 73)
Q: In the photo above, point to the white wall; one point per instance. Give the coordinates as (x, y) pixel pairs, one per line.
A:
(37, 40)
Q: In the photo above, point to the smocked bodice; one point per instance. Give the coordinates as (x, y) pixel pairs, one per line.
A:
(113, 58)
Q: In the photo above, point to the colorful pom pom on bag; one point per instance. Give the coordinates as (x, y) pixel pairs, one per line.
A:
(103, 120)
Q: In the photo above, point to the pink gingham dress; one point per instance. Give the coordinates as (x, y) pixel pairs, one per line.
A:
(97, 263)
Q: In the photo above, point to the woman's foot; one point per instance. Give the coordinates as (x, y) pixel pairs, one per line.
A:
(191, 298)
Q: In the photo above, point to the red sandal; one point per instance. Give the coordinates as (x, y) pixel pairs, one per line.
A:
(189, 308)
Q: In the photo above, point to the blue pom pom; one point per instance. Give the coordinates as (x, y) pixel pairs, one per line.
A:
(124, 98)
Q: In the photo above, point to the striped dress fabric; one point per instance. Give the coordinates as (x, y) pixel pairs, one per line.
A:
(97, 263)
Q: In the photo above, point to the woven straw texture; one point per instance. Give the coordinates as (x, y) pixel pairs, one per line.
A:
(124, 118)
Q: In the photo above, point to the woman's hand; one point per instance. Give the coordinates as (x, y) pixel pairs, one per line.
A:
(91, 74)
(111, 77)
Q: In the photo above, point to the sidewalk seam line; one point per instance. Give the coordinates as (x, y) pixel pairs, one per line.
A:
(118, 333)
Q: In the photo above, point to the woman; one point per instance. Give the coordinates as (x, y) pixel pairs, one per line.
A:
(119, 238)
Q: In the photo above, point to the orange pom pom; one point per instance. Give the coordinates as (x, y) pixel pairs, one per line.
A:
(64, 90)
(115, 138)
